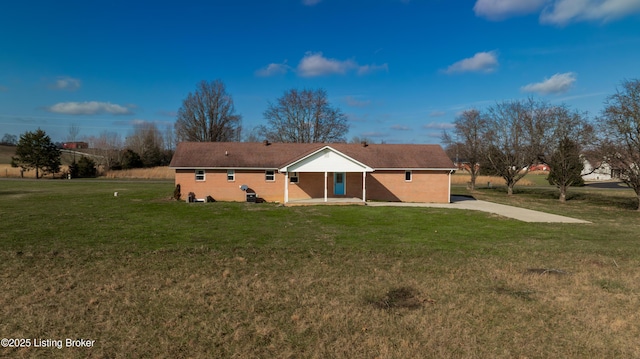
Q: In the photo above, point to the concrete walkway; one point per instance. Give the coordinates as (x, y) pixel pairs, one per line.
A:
(469, 203)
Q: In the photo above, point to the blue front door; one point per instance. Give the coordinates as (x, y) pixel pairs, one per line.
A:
(338, 183)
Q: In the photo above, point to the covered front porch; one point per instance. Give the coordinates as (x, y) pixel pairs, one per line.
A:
(325, 175)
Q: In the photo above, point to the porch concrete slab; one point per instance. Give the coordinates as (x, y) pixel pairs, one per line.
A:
(330, 201)
(470, 203)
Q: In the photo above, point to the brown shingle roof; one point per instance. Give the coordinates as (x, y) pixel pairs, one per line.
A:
(277, 155)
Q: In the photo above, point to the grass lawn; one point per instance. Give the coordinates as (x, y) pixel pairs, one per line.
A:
(145, 276)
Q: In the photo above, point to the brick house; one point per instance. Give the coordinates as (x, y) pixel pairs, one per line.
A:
(286, 172)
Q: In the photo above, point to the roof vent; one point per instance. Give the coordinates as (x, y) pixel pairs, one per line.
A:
(266, 142)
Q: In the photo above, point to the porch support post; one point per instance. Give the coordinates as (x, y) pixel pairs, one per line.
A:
(364, 187)
(325, 186)
(449, 189)
(286, 187)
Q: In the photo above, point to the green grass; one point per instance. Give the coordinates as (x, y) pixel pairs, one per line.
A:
(146, 276)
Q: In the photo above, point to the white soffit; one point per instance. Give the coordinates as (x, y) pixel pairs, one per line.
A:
(326, 159)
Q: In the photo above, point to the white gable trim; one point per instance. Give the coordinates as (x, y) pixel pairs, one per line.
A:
(326, 159)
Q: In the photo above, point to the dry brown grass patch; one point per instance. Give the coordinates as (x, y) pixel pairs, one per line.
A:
(7, 171)
(142, 173)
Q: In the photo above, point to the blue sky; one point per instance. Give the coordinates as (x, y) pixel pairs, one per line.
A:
(401, 70)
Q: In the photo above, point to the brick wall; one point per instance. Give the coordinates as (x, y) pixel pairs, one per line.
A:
(217, 186)
(425, 186)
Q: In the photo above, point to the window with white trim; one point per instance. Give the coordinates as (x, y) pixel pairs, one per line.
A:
(231, 175)
(407, 176)
(293, 177)
(270, 175)
(200, 176)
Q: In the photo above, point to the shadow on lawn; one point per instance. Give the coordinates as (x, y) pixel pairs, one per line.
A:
(398, 298)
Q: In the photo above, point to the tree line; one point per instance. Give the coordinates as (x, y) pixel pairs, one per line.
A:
(509, 137)
(207, 114)
(505, 140)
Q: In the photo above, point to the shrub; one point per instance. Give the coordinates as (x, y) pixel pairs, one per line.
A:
(176, 192)
(131, 159)
(84, 168)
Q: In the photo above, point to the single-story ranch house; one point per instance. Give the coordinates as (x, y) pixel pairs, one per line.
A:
(286, 172)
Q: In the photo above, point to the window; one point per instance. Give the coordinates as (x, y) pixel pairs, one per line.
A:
(200, 175)
(270, 176)
(293, 177)
(407, 176)
(231, 175)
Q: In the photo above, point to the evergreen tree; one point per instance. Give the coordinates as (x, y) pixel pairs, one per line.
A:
(85, 167)
(36, 151)
(565, 166)
(131, 159)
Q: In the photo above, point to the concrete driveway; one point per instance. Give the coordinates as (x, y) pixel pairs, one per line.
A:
(470, 203)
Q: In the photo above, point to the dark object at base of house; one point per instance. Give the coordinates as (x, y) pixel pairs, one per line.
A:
(191, 197)
(252, 197)
(210, 199)
(176, 193)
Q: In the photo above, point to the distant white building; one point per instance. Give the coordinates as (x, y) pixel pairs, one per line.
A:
(601, 173)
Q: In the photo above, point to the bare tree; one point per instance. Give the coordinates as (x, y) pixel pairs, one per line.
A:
(148, 142)
(469, 143)
(620, 127)
(255, 134)
(208, 115)
(305, 117)
(572, 134)
(518, 136)
(169, 138)
(144, 136)
(107, 148)
(9, 139)
(74, 131)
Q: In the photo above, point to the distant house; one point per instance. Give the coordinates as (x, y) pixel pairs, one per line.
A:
(286, 172)
(598, 171)
(75, 145)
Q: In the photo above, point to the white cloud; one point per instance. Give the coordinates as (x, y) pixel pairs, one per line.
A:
(562, 12)
(557, 83)
(354, 102)
(437, 113)
(480, 62)
(315, 64)
(88, 108)
(502, 9)
(400, 128)
(558, 12)
(310, 2)
(273, 70)
(438, 126)
(66, 83)
(367, 69)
